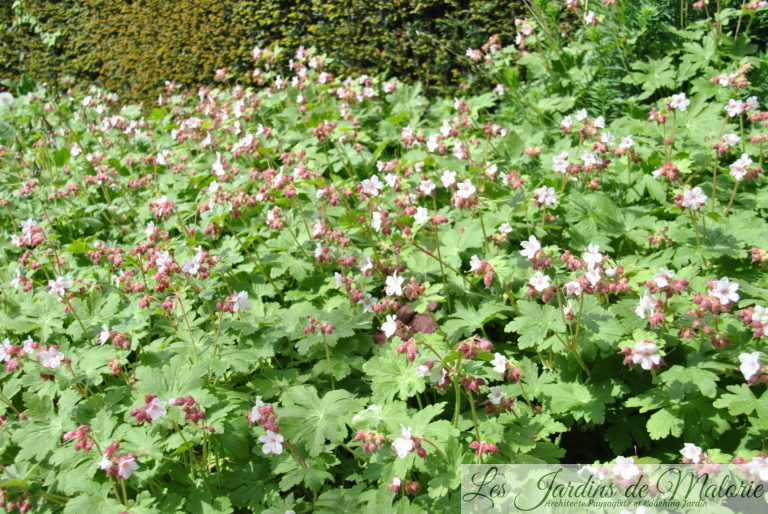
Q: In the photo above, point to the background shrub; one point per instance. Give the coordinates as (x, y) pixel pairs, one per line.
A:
(132, 47)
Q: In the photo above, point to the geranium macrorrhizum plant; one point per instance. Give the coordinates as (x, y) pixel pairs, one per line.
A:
(328, 295)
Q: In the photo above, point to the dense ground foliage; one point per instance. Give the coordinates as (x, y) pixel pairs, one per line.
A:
(328, 294)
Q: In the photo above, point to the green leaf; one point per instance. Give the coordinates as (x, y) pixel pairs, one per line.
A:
(665, 422)
(309, 419)
(392, 375)
(534, 322)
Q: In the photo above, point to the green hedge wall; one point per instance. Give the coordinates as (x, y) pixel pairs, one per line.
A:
(133, 46)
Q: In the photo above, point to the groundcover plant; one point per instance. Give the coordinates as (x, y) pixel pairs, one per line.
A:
(327, 294)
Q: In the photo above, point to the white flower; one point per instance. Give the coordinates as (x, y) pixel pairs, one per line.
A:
(679, 102)
(663, 277)
(50, 358)
(104, 334)
(646, 355)
(448, 178)
(255, 415)
(731, 139)
(5, 350)
(739, 167)
(560, 163)
(192, 266)
(530, 247)
(573, 288)
(367, 301)
(438, 376)
(218, 167)
(426, 187)
(607, 138)
(646, 304)
(273, 443)
(163, 261)
(546, 196)
(692, 452)
(105, 463)
(725, 291)
(394, 285)
(404, 444)
(694, 198)
(466, 189)
(389, 327)
(376, 221)
(593, 276)
(582, 114)
(760, 316)
(241, 302)
(16, 281)
(156, 409)
(566, 123)
(592, 256)
(372, 186)
(505, 228)
(26, 345)
(627, 143)
(421, 216)
(735, 107)
(759, 467)
(422, 370)
(499, 363)
(366, 264)
(126, 467)
(752, 103)
(598, 473)
(6, 99)
(150, 230)
(59, 286)
(539, 281)
(591, 159)
(474, 263)
(433, 143)
(590, 18)
(568, 308)
(496, 395)
(391, 179)
(625, 468)
(750, 365)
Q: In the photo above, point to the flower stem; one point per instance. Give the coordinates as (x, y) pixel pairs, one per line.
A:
(330, 362)
(474, 414)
